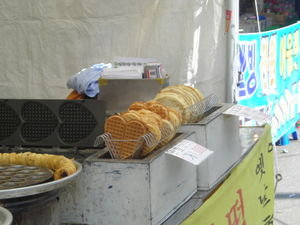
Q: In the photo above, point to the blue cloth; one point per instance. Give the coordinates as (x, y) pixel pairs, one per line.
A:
(86, 81)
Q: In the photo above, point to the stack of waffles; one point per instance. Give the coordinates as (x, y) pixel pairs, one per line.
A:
(156, 120)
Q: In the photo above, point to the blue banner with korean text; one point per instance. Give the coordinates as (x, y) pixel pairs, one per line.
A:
(269, 76)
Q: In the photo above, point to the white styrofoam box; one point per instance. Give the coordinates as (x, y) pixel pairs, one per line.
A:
(220, 134)
(131, 192)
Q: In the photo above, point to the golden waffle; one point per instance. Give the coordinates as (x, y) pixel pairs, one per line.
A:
(115, 125)
(137, 106)
(156, 132)
(198, 97)
(188, 92)
(132, 134)
(192, 109)
(172, 100)
(196, 92)
(168, 132)
(175, 117)
(131, 115)
(159, 109)
(149, 103)
(175, 101)
(153, 124)
(150, 116)
(136, 112)
(184, 94)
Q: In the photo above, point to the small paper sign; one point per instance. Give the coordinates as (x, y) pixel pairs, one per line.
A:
(189, 151)
(249, 113)
(228, 20)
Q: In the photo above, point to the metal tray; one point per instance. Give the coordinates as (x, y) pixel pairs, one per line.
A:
(16, 176)
(40, 188)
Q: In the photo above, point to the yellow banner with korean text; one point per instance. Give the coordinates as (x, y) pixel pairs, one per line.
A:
(247, 196)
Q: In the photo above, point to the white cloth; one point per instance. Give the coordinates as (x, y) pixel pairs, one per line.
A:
(86, 81)
(43, 42)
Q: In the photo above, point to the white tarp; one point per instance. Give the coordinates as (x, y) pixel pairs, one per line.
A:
(43, 43)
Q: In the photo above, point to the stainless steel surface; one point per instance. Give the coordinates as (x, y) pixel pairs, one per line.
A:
(16, 176)
(211, 113)
(39, 188)
(200, 109)
(6, 217)
(220, 134)
(108, 185)
(249, 136)
(102, 156)
(120, 93)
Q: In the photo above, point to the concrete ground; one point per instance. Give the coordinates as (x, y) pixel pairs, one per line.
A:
(287, 200)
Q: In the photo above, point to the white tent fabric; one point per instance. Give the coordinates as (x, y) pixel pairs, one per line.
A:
(43, 43)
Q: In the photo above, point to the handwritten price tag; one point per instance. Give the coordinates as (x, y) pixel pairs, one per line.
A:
(249, 113)
(190, 151)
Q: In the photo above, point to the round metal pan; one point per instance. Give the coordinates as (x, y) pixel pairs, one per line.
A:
(16, 176)
(40, 188)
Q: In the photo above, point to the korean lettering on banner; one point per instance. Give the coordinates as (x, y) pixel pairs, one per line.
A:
(265, 197)
(246, 192)
(236, 214)
(247, 80)
(269, 78)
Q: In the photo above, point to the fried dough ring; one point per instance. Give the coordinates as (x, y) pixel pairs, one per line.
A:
(53, 162)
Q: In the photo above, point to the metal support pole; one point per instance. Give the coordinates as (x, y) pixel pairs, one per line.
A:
(232, 30)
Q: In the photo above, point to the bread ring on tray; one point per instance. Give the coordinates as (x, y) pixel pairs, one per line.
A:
(41, 160)
(62, 172)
